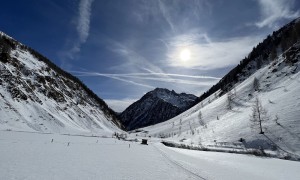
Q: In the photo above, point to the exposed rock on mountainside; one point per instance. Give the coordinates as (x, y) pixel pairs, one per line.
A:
(154, 107)
(37, 95)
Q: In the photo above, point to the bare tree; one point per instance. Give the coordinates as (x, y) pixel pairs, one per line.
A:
(234, 92)
(259, 115)
(256, 84)
(216, 96)
(229, 100)
(200, 118)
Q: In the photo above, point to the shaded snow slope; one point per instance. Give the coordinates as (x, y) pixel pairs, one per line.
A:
(37, 97)
(279, 93)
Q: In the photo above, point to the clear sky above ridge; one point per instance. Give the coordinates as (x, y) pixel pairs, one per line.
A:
(122, 49)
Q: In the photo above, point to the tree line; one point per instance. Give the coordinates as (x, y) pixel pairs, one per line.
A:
(264, 52)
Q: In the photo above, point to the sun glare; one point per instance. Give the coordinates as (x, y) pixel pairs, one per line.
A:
(185, 54)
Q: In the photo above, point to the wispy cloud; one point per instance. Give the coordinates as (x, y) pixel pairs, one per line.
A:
(127, 81)
(188, 39)
(168, 13)
(152, 76)
(208, 54)
(130, 61)
(82, 27)
(165, 12)
(112, 76)
(199, 43)
(133, 60)
(275, 10)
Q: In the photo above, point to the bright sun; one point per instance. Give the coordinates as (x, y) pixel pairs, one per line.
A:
(185, 54)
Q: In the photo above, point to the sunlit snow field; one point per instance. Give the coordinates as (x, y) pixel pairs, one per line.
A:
(33, 156)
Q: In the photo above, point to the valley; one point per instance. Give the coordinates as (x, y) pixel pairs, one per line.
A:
(205, 106)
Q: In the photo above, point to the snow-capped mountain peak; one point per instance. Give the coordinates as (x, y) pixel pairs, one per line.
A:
(156, 106)
(179, 100)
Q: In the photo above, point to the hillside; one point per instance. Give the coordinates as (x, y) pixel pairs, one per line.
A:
(36, 95)
(222, 120)
(264, 53)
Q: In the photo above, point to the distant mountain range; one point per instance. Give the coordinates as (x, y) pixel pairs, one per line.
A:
(36, 95)
(154, 107)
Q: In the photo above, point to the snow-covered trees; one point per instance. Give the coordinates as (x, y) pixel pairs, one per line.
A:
(259, 115)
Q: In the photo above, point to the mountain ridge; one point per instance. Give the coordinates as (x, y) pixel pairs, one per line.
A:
(263, 52)
(155, 106)
(30, 79)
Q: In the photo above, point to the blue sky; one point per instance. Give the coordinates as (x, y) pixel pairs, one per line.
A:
(122, 49)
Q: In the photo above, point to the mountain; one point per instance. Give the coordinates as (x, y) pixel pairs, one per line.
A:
(264, 53)
(154, 107)
(36, 95)
(222, 119)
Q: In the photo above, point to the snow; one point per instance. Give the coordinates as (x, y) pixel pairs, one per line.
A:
(3, 34)
(279, 94)
(41, 113)
(33, 156)
(214, 165)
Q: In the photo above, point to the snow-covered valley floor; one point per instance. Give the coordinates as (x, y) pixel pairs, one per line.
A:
(33, 156)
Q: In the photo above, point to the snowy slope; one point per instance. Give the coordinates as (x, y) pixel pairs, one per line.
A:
(280, 96)
(37, 97)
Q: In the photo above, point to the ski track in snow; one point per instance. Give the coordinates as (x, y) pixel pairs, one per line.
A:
(178, 164)
(33, 156)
